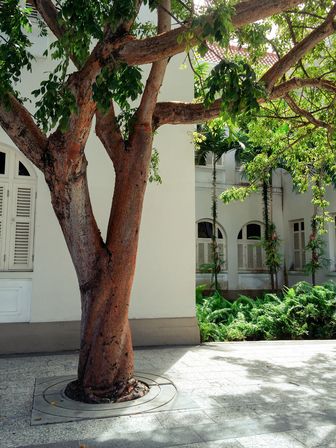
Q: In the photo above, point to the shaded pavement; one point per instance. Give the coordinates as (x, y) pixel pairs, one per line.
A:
(278, 394)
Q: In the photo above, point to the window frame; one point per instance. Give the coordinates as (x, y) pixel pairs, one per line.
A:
(18, 189)
(301, 250)
(209, 162)
(245, 244)
(332, 242)
(207, 241)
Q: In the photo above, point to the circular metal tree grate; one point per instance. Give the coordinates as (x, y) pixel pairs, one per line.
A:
(51, 405)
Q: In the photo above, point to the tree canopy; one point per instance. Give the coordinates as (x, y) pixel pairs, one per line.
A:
(108, 44)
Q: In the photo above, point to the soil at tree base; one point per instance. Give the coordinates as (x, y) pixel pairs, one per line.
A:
(134, 389)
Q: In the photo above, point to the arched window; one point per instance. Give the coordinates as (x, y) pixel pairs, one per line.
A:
(204, 251)
(251, 256)
(17, 211)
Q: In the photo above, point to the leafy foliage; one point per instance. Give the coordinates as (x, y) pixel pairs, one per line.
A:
(154, 175)
(235, 83)
(271, 245)
(14, 45)
(214, 137)
(122, 85)
(237, 193)
(302, 312)
(316, 247)
(213, 24)
(57, 102)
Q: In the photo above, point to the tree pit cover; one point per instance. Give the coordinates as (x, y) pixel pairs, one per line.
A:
(131, 390)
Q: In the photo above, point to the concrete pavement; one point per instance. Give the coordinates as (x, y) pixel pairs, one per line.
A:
(278, 394)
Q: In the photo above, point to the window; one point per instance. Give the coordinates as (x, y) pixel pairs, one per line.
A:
(299, 254)
(208, 159)
(240, 175)
(204, 253)
(2, 162)
(17, 205)
(251, 256)
(34, 15)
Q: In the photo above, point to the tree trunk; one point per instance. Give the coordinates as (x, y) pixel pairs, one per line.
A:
(215, 255)
(267, 236)
(106, 364)
(314, 253)
(105, 271)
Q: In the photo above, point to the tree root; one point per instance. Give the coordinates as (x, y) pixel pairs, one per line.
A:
(120, 391)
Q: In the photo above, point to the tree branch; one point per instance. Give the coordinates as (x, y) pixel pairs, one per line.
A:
(108, 131)
(156, 75)
(19, 125)
(146, 51)
(306, 114)
(298, 83)
(327, 28)
(184, 113)
(80, 122)
(193, 113)
(49, 12)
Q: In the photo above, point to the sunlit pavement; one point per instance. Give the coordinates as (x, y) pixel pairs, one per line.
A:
(245, 394)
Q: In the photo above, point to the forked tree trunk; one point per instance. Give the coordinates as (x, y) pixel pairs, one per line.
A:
(105, 270)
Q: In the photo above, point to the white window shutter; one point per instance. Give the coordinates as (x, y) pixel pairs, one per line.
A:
(209, 158)
(34, 15)
(3, 220)
(240, 256)
(200, 254)
(21, 234)
(210, 258)
(221, 253)
(220, 161)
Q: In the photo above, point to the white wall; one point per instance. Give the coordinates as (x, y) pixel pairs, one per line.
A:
(299, 206)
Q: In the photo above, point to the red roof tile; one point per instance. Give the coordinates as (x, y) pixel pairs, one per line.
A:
(216, 54)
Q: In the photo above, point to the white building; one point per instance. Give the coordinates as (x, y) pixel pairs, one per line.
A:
(240, 226)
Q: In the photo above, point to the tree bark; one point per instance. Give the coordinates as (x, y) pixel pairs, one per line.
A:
(105, 270)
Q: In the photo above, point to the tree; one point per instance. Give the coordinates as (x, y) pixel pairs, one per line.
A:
(107, 45)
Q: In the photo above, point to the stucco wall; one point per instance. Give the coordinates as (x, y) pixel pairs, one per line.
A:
(299, 206)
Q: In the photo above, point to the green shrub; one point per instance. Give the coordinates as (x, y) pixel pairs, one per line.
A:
(303, 311)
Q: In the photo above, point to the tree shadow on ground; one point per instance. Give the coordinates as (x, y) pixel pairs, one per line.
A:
(300, 396)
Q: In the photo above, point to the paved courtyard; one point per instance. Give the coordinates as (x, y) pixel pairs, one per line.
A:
(243, 394)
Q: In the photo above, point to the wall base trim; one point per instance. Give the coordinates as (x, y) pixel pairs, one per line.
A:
(38, 337)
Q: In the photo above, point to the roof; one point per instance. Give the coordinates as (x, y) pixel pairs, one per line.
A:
(216, 54)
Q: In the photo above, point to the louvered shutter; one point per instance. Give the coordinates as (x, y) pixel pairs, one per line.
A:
(209, 158)
(3, 220)
(34, 15)
(259, 258)
(221, 255)
(200, 255)
(209, 257)
(220, 161)
(240, 256)
(250, 256)
(21, 235)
